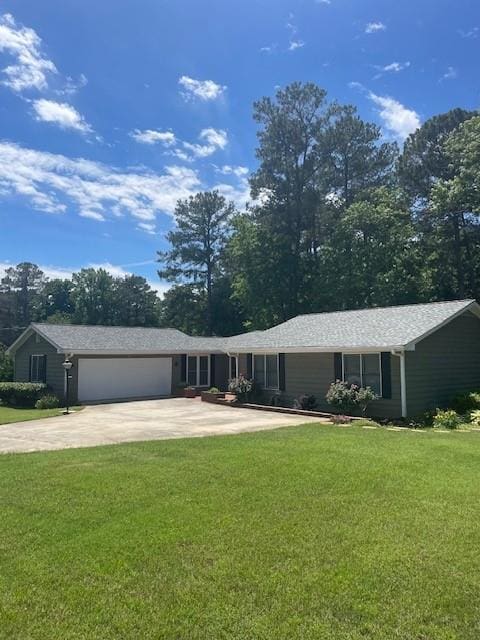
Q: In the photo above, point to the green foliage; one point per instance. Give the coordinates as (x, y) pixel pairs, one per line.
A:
(342, 396)
(446, 419)
(465, 402)
(6, 366)
(307, 402)
(474, 417)
(348, 397)
(196, 246)
(21, 394)
(242, 387)
(214, 390)
(49, 401)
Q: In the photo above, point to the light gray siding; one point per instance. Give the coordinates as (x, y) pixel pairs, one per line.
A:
(36, 345)
(445, 363)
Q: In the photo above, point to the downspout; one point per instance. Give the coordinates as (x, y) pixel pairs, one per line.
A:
(403, 382)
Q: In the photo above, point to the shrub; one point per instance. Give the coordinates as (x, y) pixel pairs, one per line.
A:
(465, 402)
(365, 395)
(475, 417)
(306, 402)
(213, 390)
(49, 401)
(241, 386)
(21, 394)
(347, 397)
(342, 396)
(6, 365)
(448, 419)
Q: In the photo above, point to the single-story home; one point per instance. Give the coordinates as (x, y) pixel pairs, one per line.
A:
(415, 357)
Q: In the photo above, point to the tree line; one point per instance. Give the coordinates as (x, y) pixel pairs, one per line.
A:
(339, 219)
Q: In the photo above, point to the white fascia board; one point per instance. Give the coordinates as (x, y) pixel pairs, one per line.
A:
(166, 352)
(336, 349)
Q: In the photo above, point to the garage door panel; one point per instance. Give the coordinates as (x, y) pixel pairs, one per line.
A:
(116, 378)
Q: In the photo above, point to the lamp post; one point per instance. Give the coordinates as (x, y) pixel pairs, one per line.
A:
(67, 365)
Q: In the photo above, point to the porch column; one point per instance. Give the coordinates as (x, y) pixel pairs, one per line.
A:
(403, 384)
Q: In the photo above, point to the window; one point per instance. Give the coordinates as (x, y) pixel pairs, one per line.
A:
(233, 367)
(198, 371)
(265, 370)
(203, 371)
(38, 368)
(363, 370)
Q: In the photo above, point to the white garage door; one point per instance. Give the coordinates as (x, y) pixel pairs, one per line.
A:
(118, 378)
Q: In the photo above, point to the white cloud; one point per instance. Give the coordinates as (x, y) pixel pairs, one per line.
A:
(30, 68)
(295, 44)
(395, 67)
(202, 89)
(397, 119)
(470, 33)
(53, 183)
(374, 27)
(152, 136)
(238, 171)
(450, 74)
(60, 113)
(323, 1)
(148, 227)
(212, 140)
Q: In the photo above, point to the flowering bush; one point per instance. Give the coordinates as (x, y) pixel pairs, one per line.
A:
(448, 419)
(241, 387)
(347, 397)
(475, 417)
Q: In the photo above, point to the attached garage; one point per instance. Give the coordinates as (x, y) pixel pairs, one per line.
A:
(122, 378)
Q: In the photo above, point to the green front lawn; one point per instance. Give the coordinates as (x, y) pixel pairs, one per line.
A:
(13, 414)
(312, 532)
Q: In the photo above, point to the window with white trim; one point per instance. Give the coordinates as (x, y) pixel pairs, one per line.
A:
(38, 368)
(198, 371)
(265, 370)
(364, 370)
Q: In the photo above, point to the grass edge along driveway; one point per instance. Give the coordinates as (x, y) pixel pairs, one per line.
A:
(304, 532)
(8, 415)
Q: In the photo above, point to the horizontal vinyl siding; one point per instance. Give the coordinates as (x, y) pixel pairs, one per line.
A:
(312, 373)
(55, 371)
(444, 364)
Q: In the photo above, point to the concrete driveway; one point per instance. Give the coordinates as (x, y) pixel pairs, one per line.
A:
(133, 421)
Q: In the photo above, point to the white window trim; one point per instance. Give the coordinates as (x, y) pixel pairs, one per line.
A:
(360, 355)
(230, 373)
(37, 355)
(198, 356)
(264, 356)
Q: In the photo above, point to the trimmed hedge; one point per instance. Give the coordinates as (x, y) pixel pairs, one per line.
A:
(22, 394)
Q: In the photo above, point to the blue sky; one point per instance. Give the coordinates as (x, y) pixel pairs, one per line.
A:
(110, 111)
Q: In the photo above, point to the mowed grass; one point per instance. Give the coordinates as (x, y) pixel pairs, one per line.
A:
(16, 414)
(312, 532)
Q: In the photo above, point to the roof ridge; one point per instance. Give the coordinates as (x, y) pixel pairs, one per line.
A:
(104, 326)
(393, 306)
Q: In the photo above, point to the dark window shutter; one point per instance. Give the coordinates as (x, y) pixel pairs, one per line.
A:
(249, 365)
(281, 371)
(30, 369)
(337, 366)
(183, 367)
(212, 370)
(42, 373)
(386, 375)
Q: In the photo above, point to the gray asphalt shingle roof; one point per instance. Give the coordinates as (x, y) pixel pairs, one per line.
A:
(379, 328)
(124, 339)
(341, 330)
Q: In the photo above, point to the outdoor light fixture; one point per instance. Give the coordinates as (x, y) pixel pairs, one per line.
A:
(67, 365)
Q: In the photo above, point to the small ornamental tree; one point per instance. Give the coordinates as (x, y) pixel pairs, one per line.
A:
(365, 395)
